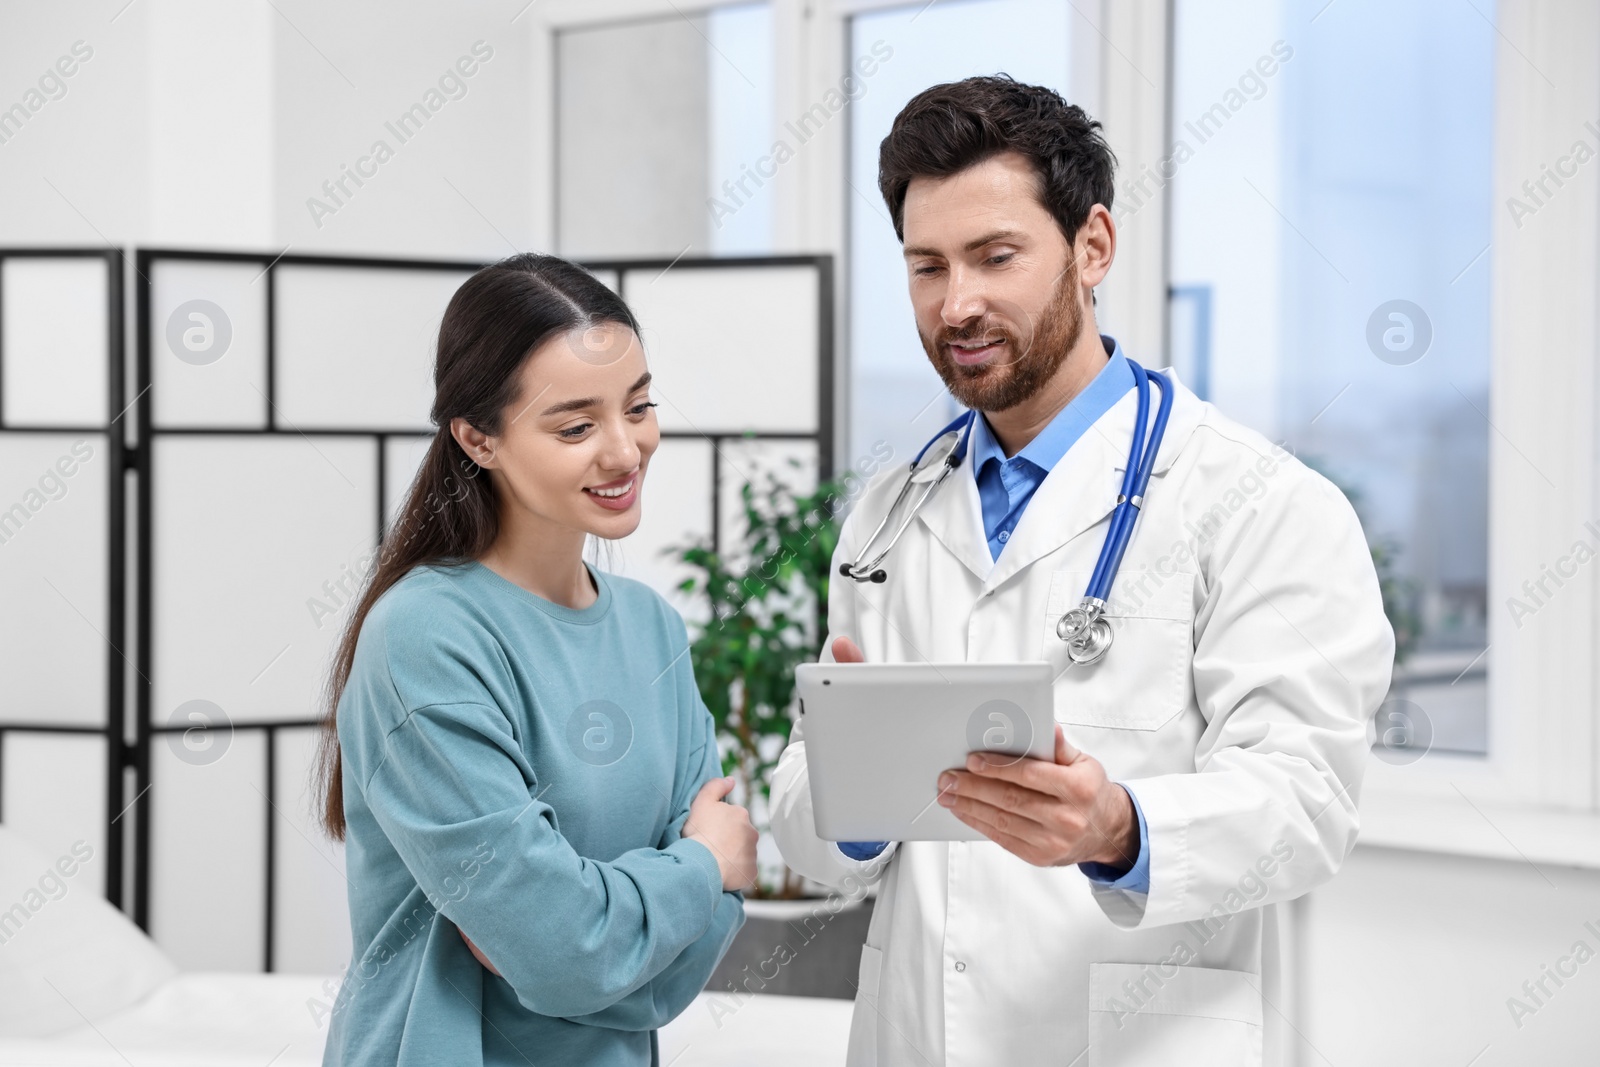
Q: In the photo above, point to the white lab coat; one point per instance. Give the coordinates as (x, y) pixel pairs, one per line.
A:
(1251, 649)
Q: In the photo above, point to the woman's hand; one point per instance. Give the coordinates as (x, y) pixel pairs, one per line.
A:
(725, 829)
(480, 956)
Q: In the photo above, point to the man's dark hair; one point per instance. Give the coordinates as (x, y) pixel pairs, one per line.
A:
(945, 129)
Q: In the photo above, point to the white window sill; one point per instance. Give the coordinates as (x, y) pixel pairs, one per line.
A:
(1555, 836)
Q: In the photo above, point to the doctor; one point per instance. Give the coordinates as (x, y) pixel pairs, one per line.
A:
(1125, 909)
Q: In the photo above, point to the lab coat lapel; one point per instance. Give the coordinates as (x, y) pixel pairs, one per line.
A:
(955, 517)
(1081, 489)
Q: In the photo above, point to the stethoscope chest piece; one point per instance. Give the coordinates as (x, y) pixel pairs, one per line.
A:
(1086, 631)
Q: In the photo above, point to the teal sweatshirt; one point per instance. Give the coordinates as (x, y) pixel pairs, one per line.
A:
(522, 771)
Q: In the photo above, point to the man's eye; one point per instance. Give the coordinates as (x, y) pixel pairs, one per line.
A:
(1002, 257)
(925, 270)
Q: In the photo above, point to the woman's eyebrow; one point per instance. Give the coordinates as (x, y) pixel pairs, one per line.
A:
(590, 401)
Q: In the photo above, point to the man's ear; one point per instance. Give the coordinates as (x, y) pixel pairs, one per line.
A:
(1095, 247)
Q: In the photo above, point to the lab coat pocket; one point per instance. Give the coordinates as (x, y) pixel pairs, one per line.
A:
(1146, 1013)
(1144, 678)
(863, 1042)
(871, 969)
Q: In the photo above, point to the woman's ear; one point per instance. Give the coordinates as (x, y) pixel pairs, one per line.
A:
(479, 446)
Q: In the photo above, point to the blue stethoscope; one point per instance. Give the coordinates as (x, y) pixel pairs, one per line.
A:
(1085, 628)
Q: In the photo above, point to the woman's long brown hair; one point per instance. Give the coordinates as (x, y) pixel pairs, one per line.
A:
(491, 326)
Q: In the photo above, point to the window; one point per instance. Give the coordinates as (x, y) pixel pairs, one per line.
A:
(898, 398)
(1331, 211)
(662, 125)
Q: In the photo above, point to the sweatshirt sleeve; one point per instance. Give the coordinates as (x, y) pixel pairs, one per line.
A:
(591, 932)
(666, 996)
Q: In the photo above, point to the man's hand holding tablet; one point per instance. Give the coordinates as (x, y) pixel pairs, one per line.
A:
(1049, 813)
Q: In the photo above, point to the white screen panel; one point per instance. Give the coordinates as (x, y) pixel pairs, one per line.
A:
(731, 348)
(208, 343)
(401, 458)
(752, 461)
(54, 338)
(355, 345)
(55, 792)
(208, 851)
(53, 577)
(675, 509)
(253, 538)
(311, 930)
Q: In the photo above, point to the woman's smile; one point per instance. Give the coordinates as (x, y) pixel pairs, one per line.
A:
(618, 495)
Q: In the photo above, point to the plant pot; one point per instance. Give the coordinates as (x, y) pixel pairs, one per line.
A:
(809, 947)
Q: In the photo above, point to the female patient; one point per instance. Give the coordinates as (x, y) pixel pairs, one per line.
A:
(542, 867)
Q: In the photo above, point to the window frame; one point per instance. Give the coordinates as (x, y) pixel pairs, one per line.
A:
(1542, 746)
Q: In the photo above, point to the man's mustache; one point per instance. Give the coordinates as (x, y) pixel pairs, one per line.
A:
(1003, 333)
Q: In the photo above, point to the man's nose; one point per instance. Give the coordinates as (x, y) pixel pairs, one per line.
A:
(963, 300)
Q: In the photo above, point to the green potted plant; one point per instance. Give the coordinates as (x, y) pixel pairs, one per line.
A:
(768, 600)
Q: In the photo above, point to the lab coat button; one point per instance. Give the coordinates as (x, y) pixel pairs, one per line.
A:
(960, 966)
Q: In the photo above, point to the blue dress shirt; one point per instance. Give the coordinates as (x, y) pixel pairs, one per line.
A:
(1005, 485)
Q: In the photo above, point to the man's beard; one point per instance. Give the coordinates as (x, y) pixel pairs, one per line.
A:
(998, 386)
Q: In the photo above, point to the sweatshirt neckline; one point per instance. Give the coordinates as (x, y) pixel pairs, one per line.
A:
(579, 616)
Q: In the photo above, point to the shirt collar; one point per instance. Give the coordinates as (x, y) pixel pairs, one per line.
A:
(1052, 442)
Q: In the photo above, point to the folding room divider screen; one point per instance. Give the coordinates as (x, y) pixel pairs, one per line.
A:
(283, 408)
(63, 672)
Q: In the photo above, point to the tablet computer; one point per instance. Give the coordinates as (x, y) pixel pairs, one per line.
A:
(878, 735)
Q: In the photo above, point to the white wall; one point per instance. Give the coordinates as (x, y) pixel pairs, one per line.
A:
(211, 125)
(1410, 958)
(75, 173)
(209, 78)
(462, 186)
